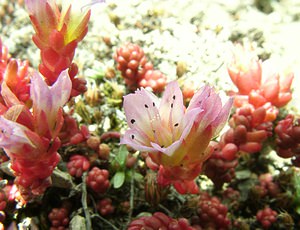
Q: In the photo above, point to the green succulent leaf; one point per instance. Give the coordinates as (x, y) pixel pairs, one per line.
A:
(121, 156)
(77, 223)
(243, 174)
(118, 179)
(136, 176)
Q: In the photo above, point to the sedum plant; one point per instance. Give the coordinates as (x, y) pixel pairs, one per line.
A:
(158, 161)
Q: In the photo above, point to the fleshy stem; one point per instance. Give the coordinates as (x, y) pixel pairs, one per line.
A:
(84, 203)
(165, 209)
(111, 134)
(131, 200)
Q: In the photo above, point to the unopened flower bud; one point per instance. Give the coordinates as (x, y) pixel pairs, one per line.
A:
(104, 151)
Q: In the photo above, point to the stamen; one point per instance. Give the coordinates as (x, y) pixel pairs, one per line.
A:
(176, 124)
(132, 137)
(174, 97)
(132, 121)
(146, 106)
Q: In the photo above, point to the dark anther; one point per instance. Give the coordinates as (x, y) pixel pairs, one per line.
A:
(132, 136)
(176, 124)
(153, 104)
(146, 106)
(153, 131)
(132, 121)
(172, 105)
(162, 146)
(174, 97)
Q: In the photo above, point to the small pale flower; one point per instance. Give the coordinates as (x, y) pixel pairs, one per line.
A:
(29, 137)
(13, 136)
(47, 102)
(174, 136)
(259, 83)
(245, 69)
(71, 20)
(58, 30)
(276, 86)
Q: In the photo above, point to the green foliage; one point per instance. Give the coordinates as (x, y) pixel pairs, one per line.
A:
(77, 223)
(122, 173)
(118, 179)
(121, 156)
(119, 163)
(296, 181)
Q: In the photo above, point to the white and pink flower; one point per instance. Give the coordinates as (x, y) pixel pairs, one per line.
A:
(29, 137)
(174, 136)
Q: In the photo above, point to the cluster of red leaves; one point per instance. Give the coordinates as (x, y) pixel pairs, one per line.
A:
(266, 217)
(212, 214)
(31, 174)
(105, 206)
(158, 221)
(59, 218)
(14, 73)
(137, 70)
(258, 83)
(220, 166)
(98, 180)
(70, 133)
(261, 92)
(267, 186)
(288, 139)
(57, 45)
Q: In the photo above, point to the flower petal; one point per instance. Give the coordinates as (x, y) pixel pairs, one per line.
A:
(75, 14)
(271, 88)
(49, 99)
(44, 15)
(212, 107)
(199, 97)
(8, 96)
(40, 94)
(12, 136)
(170, 149)
(186, 126)
(142, 113)
(189, 120)
(171, 108)
(222, 117)
(136, 140)
(286, 81)
(61, 90)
